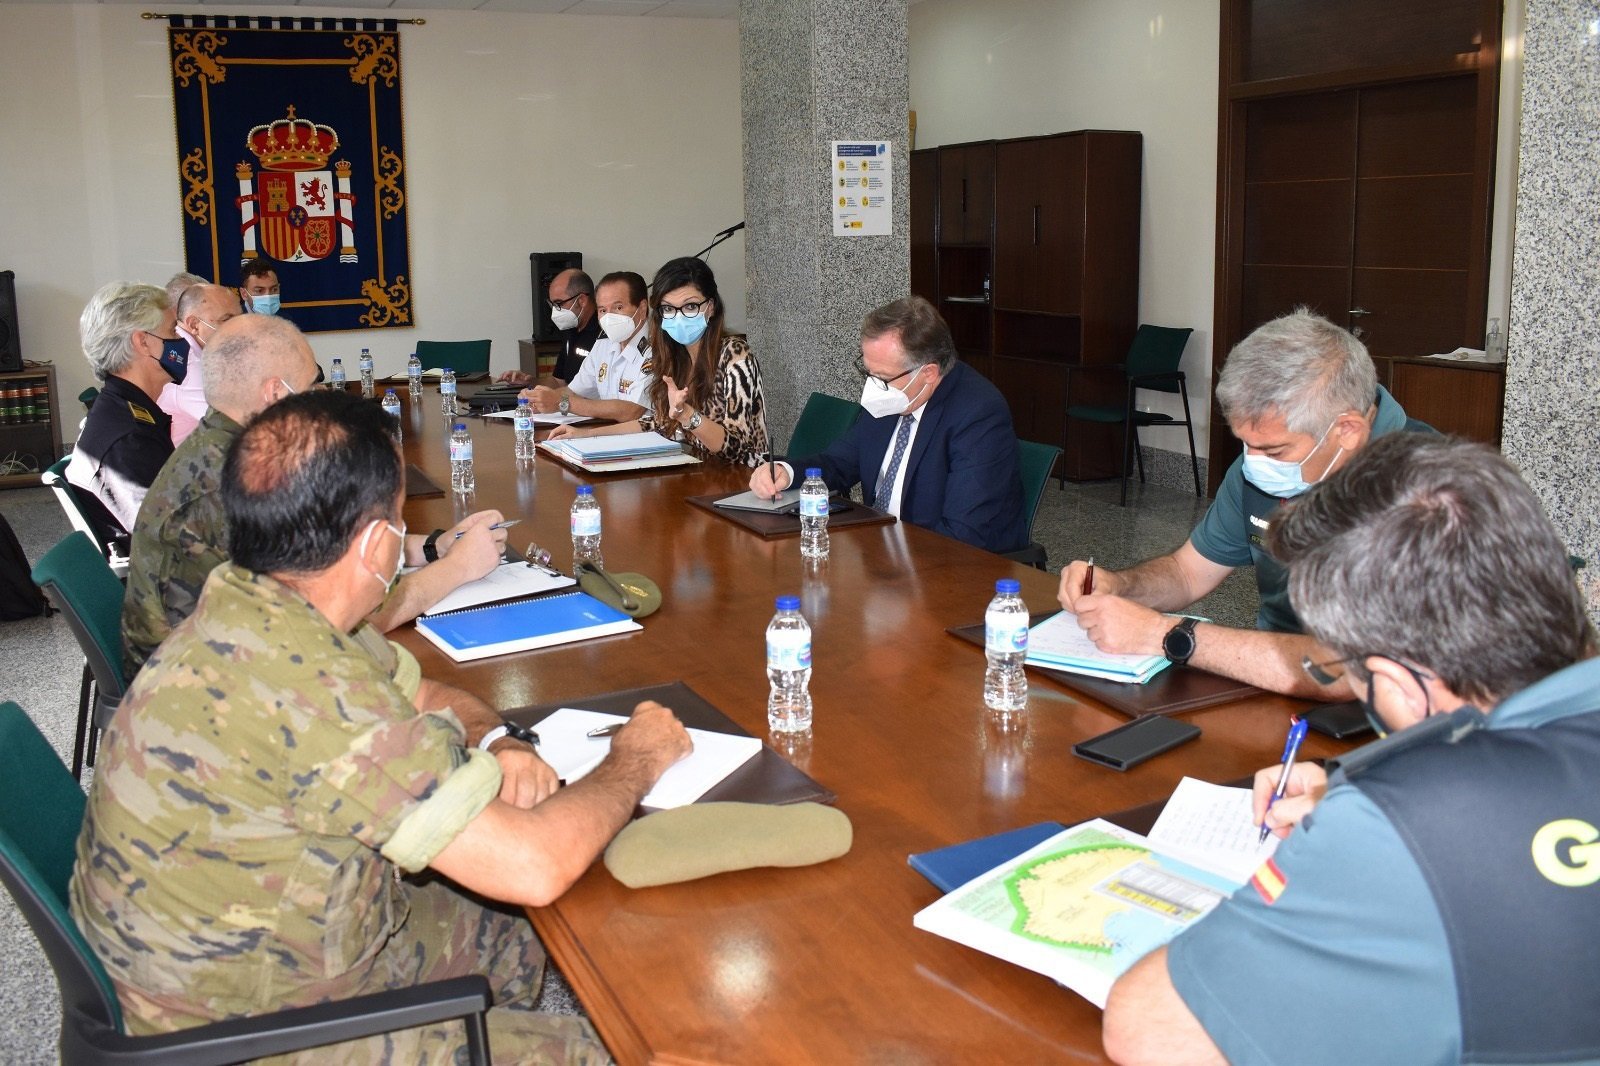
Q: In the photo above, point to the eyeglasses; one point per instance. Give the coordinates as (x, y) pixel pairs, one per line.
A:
(883, 384)
(557, 305)
(1323, 673)
(692, 309)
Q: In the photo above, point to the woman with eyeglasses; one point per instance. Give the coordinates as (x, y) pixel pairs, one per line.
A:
(707, 390)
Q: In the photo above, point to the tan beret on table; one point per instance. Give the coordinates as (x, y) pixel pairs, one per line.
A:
(702, 839)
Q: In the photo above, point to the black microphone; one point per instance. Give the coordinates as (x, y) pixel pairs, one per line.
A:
(731, 230)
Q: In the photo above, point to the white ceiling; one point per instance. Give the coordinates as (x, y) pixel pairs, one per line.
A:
(709, 9)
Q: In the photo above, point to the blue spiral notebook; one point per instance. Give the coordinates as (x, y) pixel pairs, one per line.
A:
(501, 628)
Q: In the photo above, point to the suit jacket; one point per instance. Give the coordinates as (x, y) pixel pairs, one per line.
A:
(962, 477)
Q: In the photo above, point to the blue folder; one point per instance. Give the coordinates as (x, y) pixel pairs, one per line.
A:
(518, 625)
(950, 868)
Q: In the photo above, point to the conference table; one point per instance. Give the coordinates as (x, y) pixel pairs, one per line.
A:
(819, 964)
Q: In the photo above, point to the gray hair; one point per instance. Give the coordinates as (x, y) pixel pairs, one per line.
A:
(246, 352)
(1433, 550)
(113, 315)
(180, 283)
(1301, 367)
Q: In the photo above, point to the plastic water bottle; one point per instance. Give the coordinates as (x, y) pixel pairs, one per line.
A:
(391, 407)
(586, 528)
(461, 478)
(414, 377)
(1005, 642)
(1494, 345)
(524, 421)
(814, 515)
(789, 668)
(447, 391)
(366, 373)
(336, 374)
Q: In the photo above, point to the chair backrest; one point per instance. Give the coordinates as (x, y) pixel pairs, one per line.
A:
(464, 357)
(1035, 461)
(1157, 350)
(67, 496)
(76, 578)
(41, 812)
(823, 421)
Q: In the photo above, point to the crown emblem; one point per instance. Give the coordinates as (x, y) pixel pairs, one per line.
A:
(293, 143)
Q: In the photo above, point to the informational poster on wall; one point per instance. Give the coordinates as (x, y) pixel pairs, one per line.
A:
(862, 187)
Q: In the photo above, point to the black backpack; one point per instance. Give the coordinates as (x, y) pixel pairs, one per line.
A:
(19, 596)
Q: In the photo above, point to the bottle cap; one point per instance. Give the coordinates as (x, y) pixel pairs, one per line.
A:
(788, 603)
(585, 490)
(449, 370)
(462, 426)
(390, 392)
(1008, 586)
(813, 471)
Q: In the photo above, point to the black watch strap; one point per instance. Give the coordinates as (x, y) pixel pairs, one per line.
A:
(1179, 643)
(430, 547)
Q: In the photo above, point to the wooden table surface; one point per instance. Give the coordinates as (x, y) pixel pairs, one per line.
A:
(819, 964)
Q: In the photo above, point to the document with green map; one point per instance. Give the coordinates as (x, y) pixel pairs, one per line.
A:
(1081, 908)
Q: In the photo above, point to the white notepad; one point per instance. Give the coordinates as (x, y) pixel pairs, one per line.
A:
(564, 744)
(506, 581)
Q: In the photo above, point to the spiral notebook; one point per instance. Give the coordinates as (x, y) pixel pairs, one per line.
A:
(521, 625)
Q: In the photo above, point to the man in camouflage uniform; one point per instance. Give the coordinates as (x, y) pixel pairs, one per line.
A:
(181, 535)
(273, 822)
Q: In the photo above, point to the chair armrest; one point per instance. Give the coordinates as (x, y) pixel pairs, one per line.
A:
(1168, 375)
(298, 1028)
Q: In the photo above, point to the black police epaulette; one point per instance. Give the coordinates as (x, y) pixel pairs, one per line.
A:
(1435, 729)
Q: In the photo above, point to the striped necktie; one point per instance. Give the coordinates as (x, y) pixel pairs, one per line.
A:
(886, 487)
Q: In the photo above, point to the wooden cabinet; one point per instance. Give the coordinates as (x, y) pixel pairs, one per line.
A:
(1462, 399)
(1040, 276)
(30, 425)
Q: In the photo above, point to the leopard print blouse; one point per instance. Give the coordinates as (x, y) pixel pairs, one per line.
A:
(735, 403)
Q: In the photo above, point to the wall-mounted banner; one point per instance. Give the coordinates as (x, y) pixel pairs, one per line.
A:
(290, 149)
(861, 188)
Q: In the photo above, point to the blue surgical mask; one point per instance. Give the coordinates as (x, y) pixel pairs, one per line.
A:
(683, 329)
(265, 305)
(174, 357)
(1276, 477)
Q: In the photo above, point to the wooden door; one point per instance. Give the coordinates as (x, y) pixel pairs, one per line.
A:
(924, 223)
(966, 193)
(1039, 224)
(1016, 259)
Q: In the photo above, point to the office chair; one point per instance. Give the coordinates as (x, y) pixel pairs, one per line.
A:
(66, 494)
(1152, 363)
(1035, 461)
(823, 421)
(464, 357)
(76, 580)
(41, 811)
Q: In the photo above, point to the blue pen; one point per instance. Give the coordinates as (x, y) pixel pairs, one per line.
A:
(1291, 748)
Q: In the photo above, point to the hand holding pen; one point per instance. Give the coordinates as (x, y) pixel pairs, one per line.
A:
(1291, 749)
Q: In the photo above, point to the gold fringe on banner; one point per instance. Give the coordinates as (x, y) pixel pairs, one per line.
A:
(288, 22)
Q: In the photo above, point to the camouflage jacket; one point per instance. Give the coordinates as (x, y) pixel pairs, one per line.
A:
(258, 789)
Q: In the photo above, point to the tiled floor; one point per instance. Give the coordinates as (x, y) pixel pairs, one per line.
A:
(42, 665)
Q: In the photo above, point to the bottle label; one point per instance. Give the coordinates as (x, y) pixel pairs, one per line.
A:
(525, 424)
(789, 649)
(586, 522)
(1005, 633)
(366, 366)
(460, 450)
(813, 505)
(447, 388)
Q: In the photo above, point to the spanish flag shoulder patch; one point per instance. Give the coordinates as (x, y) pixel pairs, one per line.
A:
(1269, 882)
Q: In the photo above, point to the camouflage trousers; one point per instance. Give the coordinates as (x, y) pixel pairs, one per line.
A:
(450, 933)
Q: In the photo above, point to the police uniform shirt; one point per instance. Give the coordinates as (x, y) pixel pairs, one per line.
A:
(1350, 960)
(1234, 528)
(575, 343)
(125, 441)
(614, 372)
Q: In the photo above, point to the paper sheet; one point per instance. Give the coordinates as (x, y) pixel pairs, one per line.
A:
(564, 744)
(504, 582)
(1210, 826)
(553, 418)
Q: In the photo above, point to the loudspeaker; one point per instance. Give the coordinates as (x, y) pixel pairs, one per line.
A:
(543, 266)
(10, 342)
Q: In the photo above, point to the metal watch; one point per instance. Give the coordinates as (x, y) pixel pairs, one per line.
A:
(564, 405)
(694, 422)
(430, 547)
(512, 730)
(1178, 644)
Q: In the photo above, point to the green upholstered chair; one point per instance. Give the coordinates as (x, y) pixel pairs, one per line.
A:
(464, 357)
(78, 582)
(1035, 461)
(1152, 363)
(41, 811)
(55, 476)
(823, 421)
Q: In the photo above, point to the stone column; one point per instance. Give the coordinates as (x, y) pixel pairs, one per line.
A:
(1552, 413)
(813, 72)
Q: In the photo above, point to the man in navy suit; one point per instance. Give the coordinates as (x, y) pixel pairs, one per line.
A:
(937, 449)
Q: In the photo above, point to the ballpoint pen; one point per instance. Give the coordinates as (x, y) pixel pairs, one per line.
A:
(606, 730)
(1291, 748)
(1088, 578)
(498, 525)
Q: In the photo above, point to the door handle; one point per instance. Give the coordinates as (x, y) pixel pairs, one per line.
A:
(1358, 311)
(1035, 223)
(963, 196)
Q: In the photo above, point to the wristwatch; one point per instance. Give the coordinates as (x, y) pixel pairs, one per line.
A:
(509, 729)
(564, 405)
(1178, 644)
(694, 422)
(430, 547)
